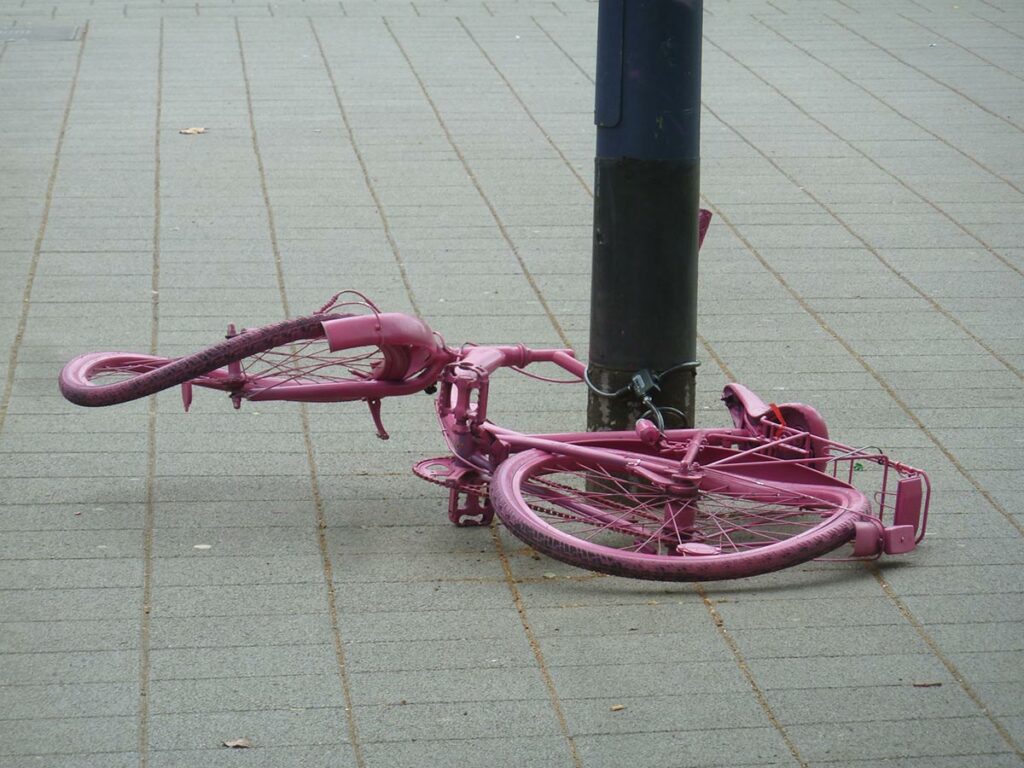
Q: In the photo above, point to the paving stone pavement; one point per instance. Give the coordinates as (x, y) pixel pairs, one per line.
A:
(864, 161)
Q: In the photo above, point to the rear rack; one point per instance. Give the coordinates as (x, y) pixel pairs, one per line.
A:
(900, 493)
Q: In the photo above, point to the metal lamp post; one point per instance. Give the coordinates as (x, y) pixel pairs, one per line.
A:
(647, 177)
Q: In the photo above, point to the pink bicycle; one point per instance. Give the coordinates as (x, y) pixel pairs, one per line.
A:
(770, 492)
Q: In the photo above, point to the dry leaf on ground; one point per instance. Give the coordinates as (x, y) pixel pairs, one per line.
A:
(238, 743)
(192, 131)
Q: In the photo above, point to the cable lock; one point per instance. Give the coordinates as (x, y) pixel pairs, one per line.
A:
(642, 385)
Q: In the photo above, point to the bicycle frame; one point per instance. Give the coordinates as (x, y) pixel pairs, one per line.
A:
(392, 354)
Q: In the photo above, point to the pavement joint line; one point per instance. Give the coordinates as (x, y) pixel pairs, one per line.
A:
(367, 179)
(26, 300)
(889, 106)
(119, 649)
(882, 381)
(732, 727)
(318, 505)
(151, 422)
(538, 652)
(442, 610)
(255, 748)
(525, 108)
(872, 763)
(179, 616)
(271, 226)
(939, 209)
(91, 752)
(530, 279)
(266, 583)
(926, 74)
(759, 695)
(932, 302)
(953, 670)
(462, 702)
(998, 26)
(978, 56)
(713, 354)
(565, 53)
(443, 702)
(710, 691)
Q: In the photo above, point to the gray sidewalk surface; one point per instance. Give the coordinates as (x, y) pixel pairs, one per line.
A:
(169, 581)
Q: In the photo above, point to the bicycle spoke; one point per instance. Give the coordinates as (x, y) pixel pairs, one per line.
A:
(632, 514)
(311, 361)
(582, 517)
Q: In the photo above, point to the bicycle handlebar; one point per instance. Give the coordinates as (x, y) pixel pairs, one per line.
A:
(490, 359)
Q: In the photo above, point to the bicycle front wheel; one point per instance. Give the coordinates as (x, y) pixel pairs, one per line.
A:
(269, 361)
(730, 525)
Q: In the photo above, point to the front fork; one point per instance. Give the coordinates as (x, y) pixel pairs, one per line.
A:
(478, 447)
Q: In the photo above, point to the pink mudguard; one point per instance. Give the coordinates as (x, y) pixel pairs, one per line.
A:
(385, 328)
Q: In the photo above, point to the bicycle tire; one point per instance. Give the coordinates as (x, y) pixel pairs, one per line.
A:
(550, 503)
(153, 374)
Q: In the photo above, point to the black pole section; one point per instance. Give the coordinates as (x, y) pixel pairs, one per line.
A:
(643, 311)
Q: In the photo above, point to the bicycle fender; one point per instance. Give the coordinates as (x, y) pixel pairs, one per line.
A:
(386, 328)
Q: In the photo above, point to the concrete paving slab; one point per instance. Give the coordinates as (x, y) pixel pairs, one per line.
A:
(862, 161)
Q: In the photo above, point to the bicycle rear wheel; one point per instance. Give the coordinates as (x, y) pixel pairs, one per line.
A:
(730, 525)
(274, 358)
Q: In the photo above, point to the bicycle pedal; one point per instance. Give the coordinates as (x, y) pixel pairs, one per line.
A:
(469, 508)
(449, 472)
(467, 491)
(440, 470)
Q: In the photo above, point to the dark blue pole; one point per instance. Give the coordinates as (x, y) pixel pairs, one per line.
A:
(647, 179)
